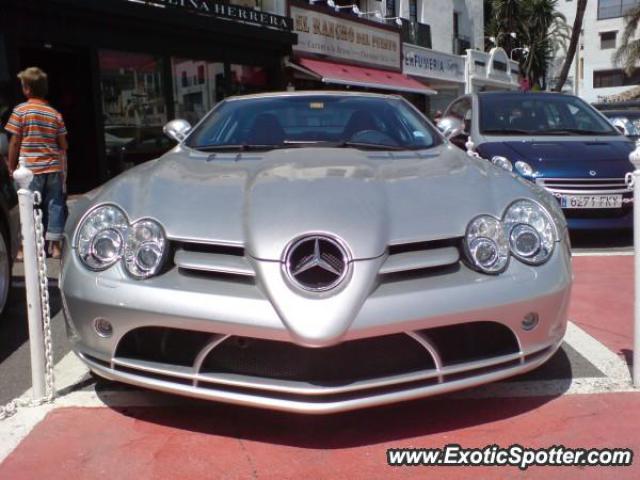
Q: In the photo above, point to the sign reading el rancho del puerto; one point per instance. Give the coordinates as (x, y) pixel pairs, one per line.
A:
(342, 39)
(223, 10)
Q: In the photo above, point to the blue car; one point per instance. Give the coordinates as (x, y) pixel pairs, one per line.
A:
(557, 141)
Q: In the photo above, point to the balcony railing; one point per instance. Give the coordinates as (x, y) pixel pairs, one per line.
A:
(416, 33)
(461, 44)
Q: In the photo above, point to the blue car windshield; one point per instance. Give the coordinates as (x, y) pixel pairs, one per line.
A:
(540, 114)
(334, 121)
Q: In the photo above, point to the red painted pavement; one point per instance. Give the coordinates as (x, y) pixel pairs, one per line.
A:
(602, 300)
(217, 441)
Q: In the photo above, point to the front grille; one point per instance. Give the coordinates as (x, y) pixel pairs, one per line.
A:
(284, 370)
(584, 185)
(406, 261)
(226, 262)
(338, 365)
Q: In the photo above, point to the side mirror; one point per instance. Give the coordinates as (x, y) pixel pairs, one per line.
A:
(621, 129)
(177, 129)
(451, 127)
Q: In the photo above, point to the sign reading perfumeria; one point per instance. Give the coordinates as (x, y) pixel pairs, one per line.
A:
(342, 39)
(222, 10)
(424, 62)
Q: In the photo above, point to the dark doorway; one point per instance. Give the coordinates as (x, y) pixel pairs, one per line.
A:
(71, 93)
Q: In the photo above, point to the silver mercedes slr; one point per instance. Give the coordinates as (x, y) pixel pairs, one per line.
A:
(315, 252)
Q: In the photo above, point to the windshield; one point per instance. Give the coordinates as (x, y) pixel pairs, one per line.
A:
(336, 121)
(531, 114)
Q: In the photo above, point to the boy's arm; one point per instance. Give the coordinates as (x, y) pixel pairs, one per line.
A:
(14, 152)
(64, 146)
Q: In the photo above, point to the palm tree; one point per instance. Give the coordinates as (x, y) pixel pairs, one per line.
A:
(573, 44)
(628, 54)
(545, 31)
(505, 16)
(538, 26)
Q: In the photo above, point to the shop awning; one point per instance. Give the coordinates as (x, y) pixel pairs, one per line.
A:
(335, 73)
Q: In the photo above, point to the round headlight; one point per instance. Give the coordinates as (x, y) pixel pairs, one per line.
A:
(531, 231)
(502, 162)
(145, 249)
(487, 245)
(524, 168)
(100, 237)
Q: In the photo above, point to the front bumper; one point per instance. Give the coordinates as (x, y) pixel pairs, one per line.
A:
(412, 307)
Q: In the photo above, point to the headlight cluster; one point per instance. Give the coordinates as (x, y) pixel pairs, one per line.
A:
(105, 236)
(526, 231)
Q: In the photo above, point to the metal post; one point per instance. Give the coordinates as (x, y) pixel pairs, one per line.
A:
(23, 177)
(633, 179)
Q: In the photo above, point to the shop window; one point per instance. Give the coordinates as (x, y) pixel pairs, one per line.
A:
(193, 100)
(248, 79)
(134, 108)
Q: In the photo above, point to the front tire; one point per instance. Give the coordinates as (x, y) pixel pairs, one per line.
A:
(5, 270)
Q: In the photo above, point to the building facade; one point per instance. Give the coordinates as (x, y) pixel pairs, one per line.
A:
(430, 39)
(120, 69)
(593, 74)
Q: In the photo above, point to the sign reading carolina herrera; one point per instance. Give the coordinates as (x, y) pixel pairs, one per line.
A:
(339, 38)
(233, 12)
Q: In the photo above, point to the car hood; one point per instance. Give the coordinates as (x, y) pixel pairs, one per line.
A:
(263, 201)
(575, 158)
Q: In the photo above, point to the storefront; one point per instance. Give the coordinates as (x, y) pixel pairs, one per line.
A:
(491, 70)
(339, 51)
(442, 71)
(120, 69)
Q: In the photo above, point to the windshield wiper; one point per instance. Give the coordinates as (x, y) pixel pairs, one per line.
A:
(365, 145)
(242, 147)
(579, 131)
(509, 131)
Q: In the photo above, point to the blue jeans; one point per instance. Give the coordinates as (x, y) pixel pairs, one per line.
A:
(53, 215)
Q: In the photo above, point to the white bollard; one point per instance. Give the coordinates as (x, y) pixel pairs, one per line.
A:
(23, 177)
(633, 179)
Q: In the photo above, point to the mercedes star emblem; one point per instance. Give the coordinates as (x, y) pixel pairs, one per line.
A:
(316, 263)
(593, 173)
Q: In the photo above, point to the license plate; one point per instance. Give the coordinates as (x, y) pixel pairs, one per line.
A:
(591, 201)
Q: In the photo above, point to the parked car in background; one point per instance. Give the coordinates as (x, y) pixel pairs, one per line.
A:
(9, 223)
(556, 141)
(314, 252)
(628, 121)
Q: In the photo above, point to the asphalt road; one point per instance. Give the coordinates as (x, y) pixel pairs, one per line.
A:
(14, 347)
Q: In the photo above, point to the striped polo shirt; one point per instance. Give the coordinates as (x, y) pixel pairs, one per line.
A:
(39, 125)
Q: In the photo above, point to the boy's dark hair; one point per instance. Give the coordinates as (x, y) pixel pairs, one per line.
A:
(36, 80)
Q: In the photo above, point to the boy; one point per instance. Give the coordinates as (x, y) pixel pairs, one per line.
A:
(40, 137)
